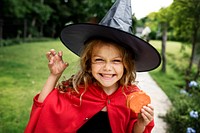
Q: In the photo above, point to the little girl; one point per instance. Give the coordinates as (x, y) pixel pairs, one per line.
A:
(94, 99)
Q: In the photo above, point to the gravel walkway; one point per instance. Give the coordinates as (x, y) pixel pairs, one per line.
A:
(159, 100)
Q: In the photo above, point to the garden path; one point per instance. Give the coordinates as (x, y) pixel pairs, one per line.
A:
(159, 100)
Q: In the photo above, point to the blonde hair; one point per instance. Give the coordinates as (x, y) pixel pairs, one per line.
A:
(84, 76)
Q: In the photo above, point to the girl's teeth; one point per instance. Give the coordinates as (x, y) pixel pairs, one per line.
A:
(107, 76)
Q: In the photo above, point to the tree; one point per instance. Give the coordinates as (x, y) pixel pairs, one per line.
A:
(197, 75)
(98, 8)
(187, 24)
(12, 10)
(164, 16)
(34, 12)
(159, 22)
(36, 16)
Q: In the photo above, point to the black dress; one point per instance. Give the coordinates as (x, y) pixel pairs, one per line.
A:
(99, 123)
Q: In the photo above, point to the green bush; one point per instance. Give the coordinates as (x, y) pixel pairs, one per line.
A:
(9, 42)
(16, 41)
(179, 118)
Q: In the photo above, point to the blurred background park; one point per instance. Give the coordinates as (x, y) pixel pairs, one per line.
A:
(28, 29)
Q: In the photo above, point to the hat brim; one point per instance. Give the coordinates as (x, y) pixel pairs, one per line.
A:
(75, 35)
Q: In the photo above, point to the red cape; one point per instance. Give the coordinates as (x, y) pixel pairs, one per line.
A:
(62, 112)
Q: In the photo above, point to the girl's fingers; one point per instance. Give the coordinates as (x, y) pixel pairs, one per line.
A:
(53, 57)
(48, 55)
(144, 116)
(150, 106)
(59, 57)
(66, 64)
(60, 53)
(53, 52)
(147, 112)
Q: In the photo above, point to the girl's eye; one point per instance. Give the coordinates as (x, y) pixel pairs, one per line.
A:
(98, 60)
(117, 61)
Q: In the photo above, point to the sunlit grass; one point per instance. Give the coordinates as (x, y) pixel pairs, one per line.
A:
(23, 71)
(177, 58)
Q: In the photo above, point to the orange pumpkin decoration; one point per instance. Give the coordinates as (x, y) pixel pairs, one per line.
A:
(136, 100)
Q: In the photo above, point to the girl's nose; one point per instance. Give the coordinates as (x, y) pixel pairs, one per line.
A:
(107, 66)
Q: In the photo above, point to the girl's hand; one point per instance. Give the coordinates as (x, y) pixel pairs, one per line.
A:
(146, 116)
(56, 64)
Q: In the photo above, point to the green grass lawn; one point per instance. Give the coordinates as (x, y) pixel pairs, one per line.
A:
(24, 69)
(177, 61)
(172, 82)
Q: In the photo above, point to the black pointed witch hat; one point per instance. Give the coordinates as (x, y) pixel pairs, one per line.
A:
(116, 26)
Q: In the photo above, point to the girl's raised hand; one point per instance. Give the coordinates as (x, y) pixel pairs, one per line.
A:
(56, 64)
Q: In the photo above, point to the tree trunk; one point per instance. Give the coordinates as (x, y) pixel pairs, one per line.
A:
(41, 30)
(198, 71)
(53, 31)
(32, 27)
(188, 71)
(25, 29)
(1, 31)
(164, 40)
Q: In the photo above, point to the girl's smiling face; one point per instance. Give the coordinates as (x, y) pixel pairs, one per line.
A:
(107, 66)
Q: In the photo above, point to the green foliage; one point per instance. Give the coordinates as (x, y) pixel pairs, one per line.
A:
(10, 42)
(43, 12)
(186, 18)
(98, 8)
(46, 18)
(179, 118)
(12, 8)
(182, 18)
(17, 41)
